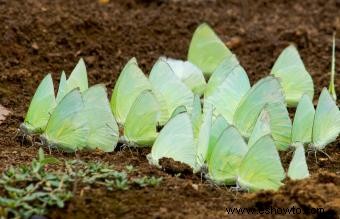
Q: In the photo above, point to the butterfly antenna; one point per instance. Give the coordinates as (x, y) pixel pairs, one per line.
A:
(128, 146)
(34, 142)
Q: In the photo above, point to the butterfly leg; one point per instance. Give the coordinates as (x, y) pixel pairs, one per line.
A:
(316, 159)
(329, 157)
(16, 134)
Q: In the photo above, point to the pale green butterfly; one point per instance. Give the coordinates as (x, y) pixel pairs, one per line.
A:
(169, 90)
(326, 126)
(274, 120)
(176, 140)
(226, 157)
(206, 49)
(217, 128)
(77, 79)
(196, 115)
(227, 66)
(250, 168)
(140, 127)
(203, 138)
(41, 106)
(298, 168)
(130, 84)
(226, 96)
(261, 128)
(293, 75)
(280, 125)
(318, 127)
(62, 87)
(266, 91)
(261, 168)
(104, 131)
(67, 127)
(189, 74)
(331, 87)
(303, 121)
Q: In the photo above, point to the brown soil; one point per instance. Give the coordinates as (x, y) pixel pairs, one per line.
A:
(40, 36)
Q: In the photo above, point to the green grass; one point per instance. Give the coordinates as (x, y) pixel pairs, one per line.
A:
(29, 190)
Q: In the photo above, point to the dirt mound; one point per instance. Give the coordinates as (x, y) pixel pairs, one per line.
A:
(320, 190)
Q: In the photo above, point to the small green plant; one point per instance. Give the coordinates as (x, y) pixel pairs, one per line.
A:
(29, 190)
(147, 181)
(130, 168)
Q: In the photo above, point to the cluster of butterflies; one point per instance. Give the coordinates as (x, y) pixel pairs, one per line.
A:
(225, 126)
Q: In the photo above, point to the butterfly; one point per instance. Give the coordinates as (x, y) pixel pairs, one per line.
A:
(298, 168)
(177, 141)
(169, 90)
(140, 128)
(130, 84)
(77, 79)
(251, 168)
(207, 50)
(103, 129)
(189, 74)
(293, 75)
(317, 127)
(41, 106)
(67, 127)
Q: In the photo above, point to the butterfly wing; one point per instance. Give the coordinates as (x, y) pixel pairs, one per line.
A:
(62, 87)
(141, 122)
(326, 125)
(176, 141)
(267, 90)
(261, 168)
(42, 104)
(303, 121)
(220, 74)
(196, 115)
(203, 137)
(179, 110)
(206, 49)
(189, 74)
(227, 156)
(78, 78)
(229, 94)
(218, 126)
(68, 128)
(103, 127)
(130, 84)
(261, 128)
(293, 75)
(169, 90)
(298, 168)
(280, 125)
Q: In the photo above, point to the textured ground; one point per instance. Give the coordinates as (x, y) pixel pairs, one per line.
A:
(40, 36)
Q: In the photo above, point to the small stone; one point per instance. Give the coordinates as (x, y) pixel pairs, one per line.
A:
(4, 112)
(194, 186)
(234, 42)
(35, 46)
(103, 2)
